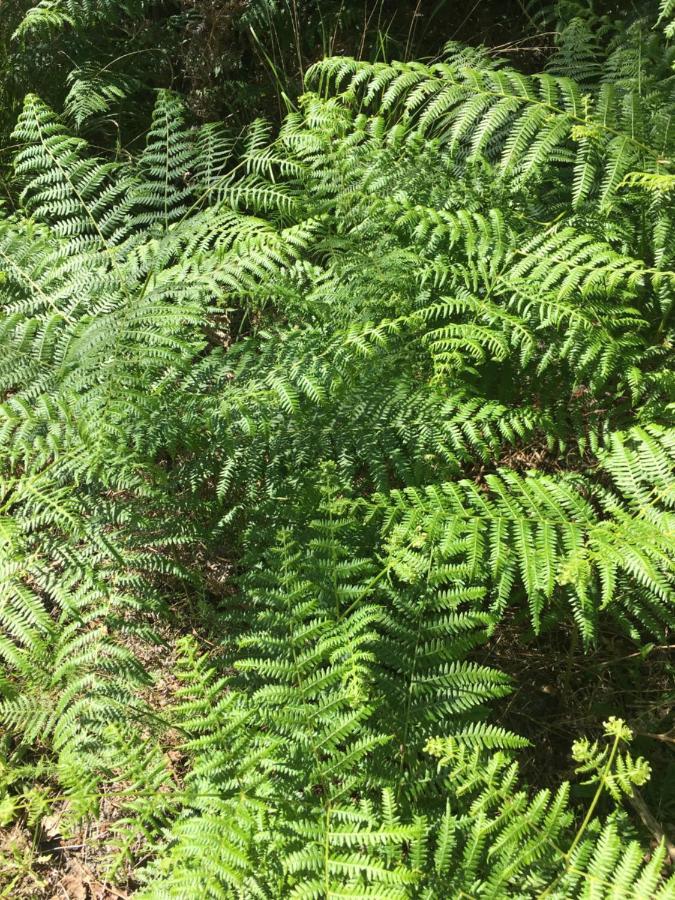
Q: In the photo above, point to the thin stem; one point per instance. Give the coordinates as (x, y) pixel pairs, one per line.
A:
(588, 817)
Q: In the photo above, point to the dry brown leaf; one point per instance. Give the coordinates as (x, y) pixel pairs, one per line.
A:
(51, 825)
(75, 881)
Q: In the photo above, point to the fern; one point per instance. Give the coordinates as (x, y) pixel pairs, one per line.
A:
(360, 399)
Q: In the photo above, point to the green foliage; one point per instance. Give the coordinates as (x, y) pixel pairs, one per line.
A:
(619, 773)
(359, 401)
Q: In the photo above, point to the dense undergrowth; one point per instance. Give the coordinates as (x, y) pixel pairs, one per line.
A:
(336, 527)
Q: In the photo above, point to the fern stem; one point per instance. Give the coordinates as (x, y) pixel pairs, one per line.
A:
(588, 817)
(411, 681)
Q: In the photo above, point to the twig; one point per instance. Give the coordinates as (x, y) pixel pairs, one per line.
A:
(611, 662)
(666, 738)
(651, 824)
(111, 890)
